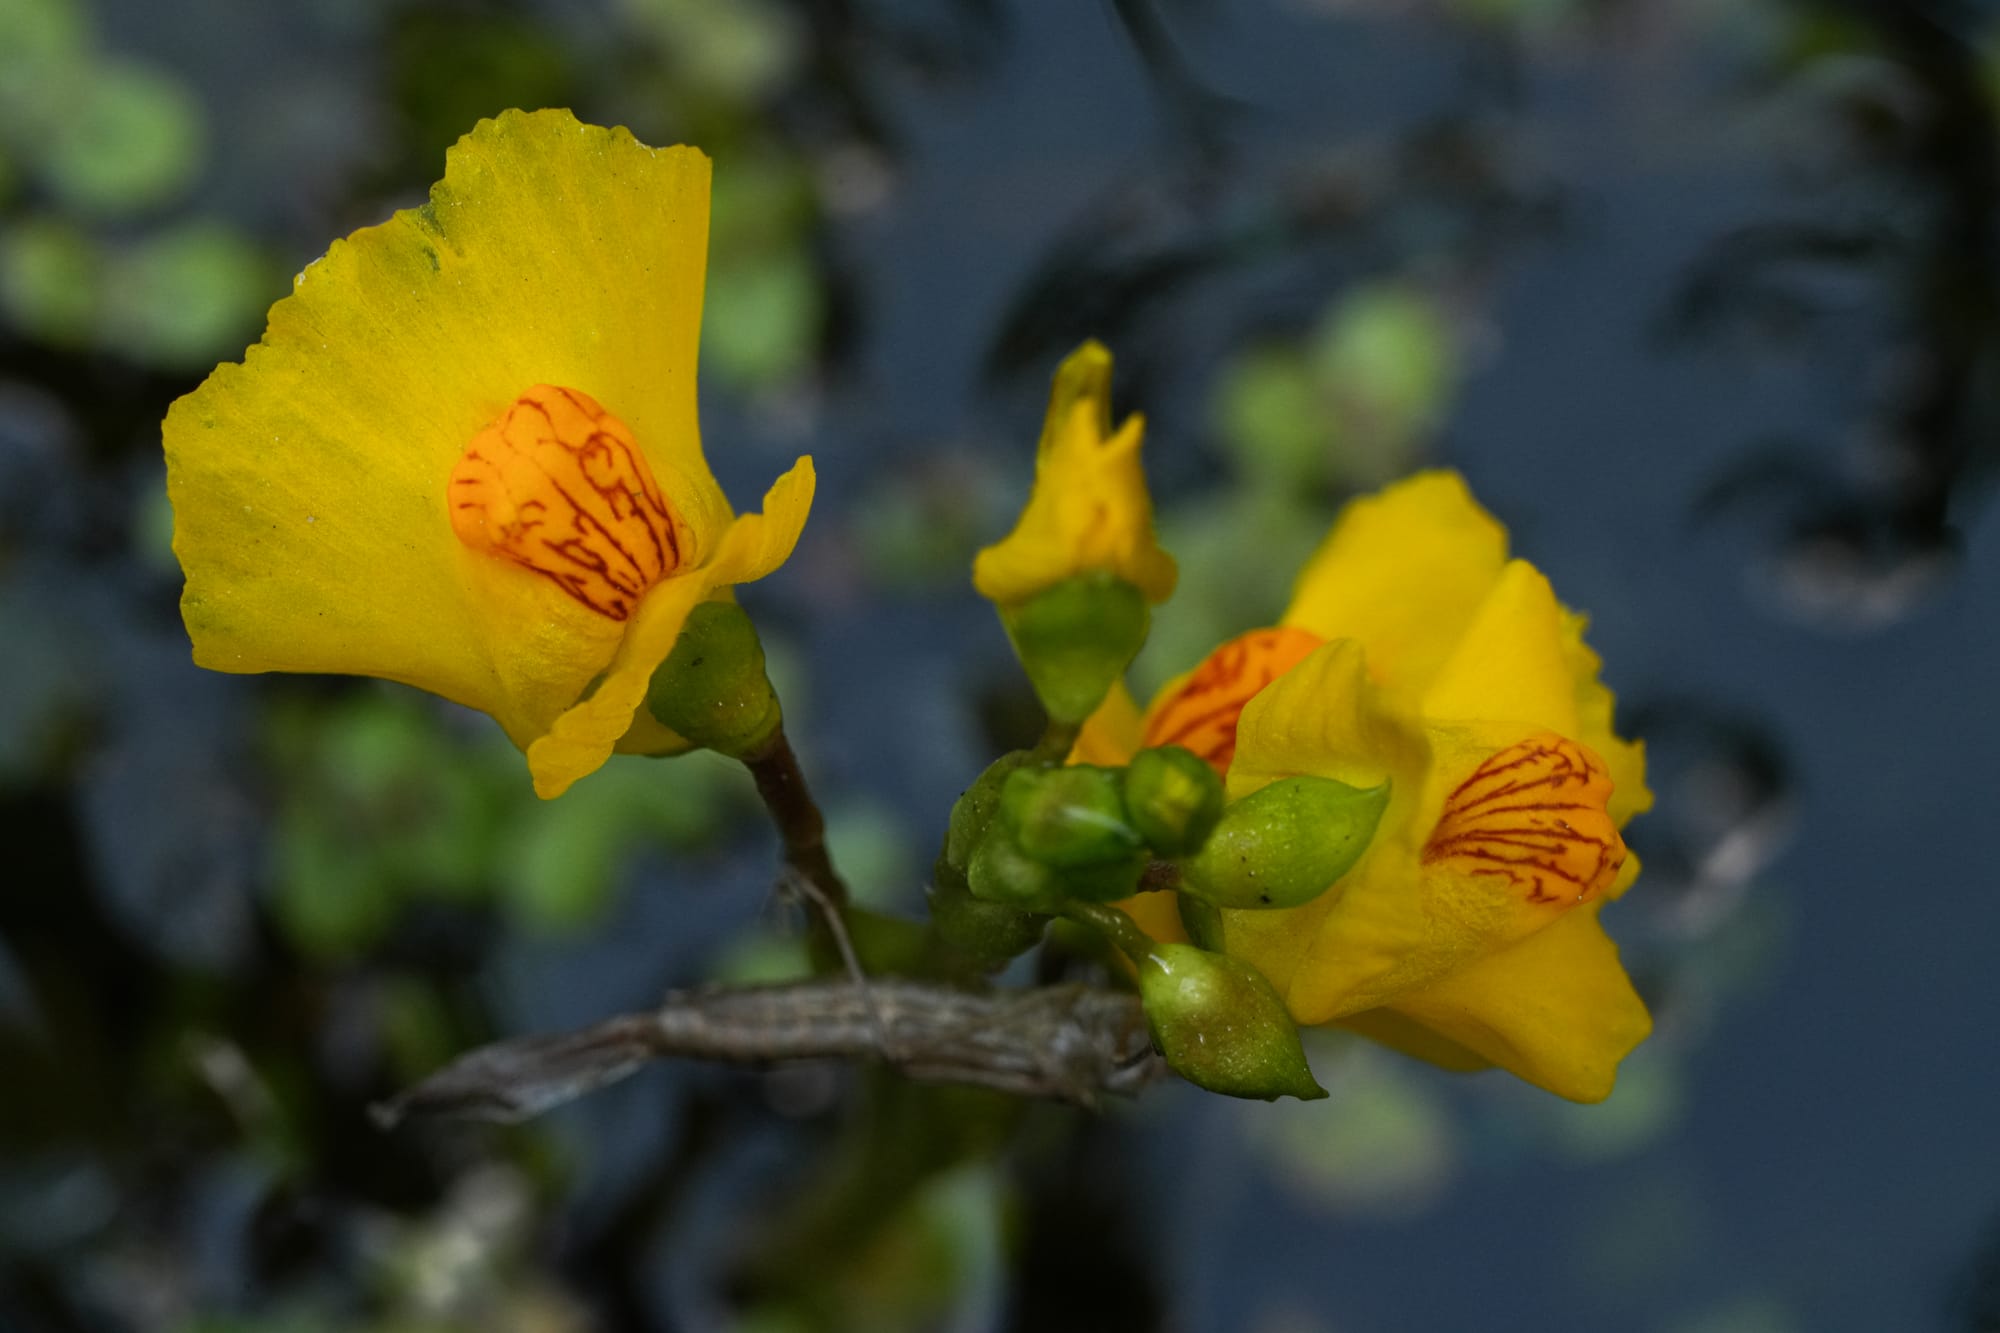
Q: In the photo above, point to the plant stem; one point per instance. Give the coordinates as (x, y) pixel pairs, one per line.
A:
(1114, 925)
(1058, 739)
(801, 826)
(1063, 1043)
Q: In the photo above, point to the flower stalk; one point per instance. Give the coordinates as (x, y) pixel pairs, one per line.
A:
(781, 784)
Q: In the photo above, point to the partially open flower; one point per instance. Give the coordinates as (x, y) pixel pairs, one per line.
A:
(1089, 511)
(1075, 579)
(1415, 652)
(465, 455)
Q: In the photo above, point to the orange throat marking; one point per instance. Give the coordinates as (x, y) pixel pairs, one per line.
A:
(1533, 816)
(559, 486)
(1202, 714)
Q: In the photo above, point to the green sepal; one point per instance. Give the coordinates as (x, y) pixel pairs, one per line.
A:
(990, 934)
(1000, 872)
(975, 808)
(1221, 1026)
(1104, 881)
(712, 689)
(1173, 799)
(1068, 817)
(1075, 639)
(1284, 844)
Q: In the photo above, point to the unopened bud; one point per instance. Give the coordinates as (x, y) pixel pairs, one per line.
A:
(712, 689)
(1221, 1025)
(1068, 817)
(1284, 844)
(975, 808)
(1076, 638)
(991, 934)
(1000, 872)
(1173, 799)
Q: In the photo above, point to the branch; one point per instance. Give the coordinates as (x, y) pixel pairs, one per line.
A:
(1065, 1043)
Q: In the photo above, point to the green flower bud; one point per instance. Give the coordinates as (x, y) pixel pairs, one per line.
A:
(1173, 799)
(1068, 817)
(712, 688)
(1076, 638)
(1285, 844)
(1000, 872)
(1221, 1025)
(974, 810)
(991, 934)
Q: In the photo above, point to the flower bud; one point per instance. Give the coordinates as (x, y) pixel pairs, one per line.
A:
(1221, 1025)
(973, 812)
(1068, 817)
(1000, 872)
(712, 689)
(1284, 844)
(1173, 798)
(991, 934)
(1075, 639)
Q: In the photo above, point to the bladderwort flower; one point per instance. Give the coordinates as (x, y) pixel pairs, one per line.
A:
(1089, 510)
(465, 455)
(1416, 653)
(1075, 580)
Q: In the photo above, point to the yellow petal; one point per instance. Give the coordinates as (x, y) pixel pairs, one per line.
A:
(1627, 759)
(1158, 914)
(1400, 1032)
(1199, 711)
(1510, 665)
(1112, 734)
(1089, 508)
(1327, 717)
(755, 544)
(309, 482)
(1084, 377)
(1403, 572)
(1556, 1009)
(1427, 897)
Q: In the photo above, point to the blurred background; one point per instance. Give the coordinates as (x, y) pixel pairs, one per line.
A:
(1702, 295)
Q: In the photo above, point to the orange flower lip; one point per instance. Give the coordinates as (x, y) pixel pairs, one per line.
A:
(558, 485)
(1533, 815)
(1201, 715)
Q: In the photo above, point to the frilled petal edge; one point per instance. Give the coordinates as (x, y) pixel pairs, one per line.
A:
(308, 482)
(1403, 572)
(1557, 1009)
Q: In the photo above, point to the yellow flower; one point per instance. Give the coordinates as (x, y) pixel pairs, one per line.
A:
(1089, 509)
(1415, 650)
(465, 455)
